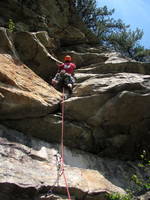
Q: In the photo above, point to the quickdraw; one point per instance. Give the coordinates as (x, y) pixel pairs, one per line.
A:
(59, 174)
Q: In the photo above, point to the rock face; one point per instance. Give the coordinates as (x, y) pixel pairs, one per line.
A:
(58, 18)
(108, 127)
(29, 167)
(106, 115)
(106, 120)
(34, 49)
(22, 93)
(116, 111)
(6, 44)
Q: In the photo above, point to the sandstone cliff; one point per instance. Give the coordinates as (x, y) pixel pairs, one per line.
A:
(106, 118)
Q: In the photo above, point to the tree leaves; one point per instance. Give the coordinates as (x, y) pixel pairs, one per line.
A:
(112, 33)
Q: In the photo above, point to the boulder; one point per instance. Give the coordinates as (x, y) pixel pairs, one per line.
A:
(23, 93)
(72, 36)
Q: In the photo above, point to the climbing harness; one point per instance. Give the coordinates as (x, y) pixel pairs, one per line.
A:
(60, 158)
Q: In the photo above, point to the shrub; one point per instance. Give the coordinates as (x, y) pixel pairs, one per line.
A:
(11, 25)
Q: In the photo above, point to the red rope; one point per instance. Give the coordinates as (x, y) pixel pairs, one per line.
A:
(62, 149)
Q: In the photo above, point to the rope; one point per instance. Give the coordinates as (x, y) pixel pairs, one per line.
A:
(62, 149)
(60, 159)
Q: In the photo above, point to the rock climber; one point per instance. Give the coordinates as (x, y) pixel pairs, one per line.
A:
(66, 71)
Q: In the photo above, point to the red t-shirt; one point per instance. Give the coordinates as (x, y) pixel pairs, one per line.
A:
(68, 67)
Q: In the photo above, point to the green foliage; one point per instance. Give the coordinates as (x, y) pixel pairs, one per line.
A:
(112, 33)
(117, 196)
(86, 10)
(125, 41)
(142, 185)
(147, 186)
(11, 25)
(142, 54)
(136, 179)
